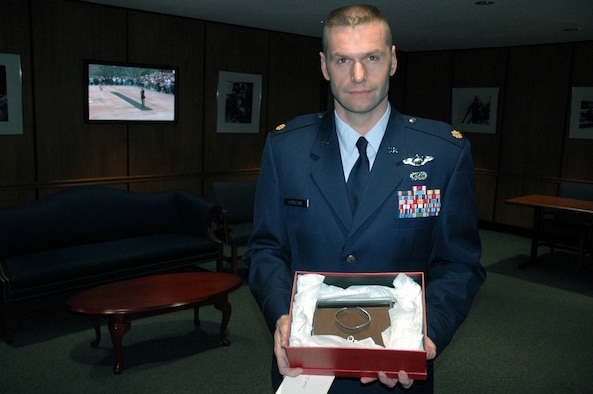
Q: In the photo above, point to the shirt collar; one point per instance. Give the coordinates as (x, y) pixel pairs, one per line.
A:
(348, 137)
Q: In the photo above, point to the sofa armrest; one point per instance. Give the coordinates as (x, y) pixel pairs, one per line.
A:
(219, 227)
(199, 215)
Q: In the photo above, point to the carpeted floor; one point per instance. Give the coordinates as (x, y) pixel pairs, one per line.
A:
(528, 328)
(528, 332)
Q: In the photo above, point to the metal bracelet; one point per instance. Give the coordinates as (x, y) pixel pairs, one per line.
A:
(362, 311)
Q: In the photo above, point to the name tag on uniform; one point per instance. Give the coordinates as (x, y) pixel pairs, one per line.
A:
(296, 202)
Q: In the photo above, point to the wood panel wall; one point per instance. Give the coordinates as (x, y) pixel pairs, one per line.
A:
(474, 69)
(530, 152)
(66, 148)
(428, 84)
(58, 149)
(577, 158)
(236, 49)
(17, 152)
(536, 102)
(173, 151)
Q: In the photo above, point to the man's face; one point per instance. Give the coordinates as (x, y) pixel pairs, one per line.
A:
(358, 64)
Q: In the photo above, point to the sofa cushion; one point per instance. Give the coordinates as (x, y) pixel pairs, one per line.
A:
(86, 214)
(109, 260)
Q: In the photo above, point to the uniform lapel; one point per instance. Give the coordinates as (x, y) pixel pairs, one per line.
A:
(327, 172)
(386, 174)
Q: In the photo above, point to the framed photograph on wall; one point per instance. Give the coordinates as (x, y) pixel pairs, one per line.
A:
(238, 101)
(11, 94)
(475, 109)
(130, 93)
(581, 113)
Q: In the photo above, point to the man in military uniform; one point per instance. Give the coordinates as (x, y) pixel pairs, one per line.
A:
(414, 209)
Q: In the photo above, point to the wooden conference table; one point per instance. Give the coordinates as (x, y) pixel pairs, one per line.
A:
(153, 295)
(541, 202)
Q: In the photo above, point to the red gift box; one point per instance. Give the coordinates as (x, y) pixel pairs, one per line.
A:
(359, 362)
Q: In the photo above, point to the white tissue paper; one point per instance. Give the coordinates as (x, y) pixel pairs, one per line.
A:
(406, 331)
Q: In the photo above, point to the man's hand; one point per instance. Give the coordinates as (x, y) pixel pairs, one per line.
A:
(280, 343)
(402, 376)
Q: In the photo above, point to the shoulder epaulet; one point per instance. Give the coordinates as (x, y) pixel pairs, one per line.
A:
(434, 127)
(300, 122)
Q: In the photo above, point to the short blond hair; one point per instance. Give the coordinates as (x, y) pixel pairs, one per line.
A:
(354, 15)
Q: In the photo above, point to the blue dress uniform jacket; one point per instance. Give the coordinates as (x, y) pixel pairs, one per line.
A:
(303, 220)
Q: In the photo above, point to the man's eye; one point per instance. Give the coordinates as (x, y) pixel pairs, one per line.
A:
(372, 58)
(342, 61)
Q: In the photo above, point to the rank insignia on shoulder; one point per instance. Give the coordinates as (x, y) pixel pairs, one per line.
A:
(457, 134)
(417, 160)
(281, 126)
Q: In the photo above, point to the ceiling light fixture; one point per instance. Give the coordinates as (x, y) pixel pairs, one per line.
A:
(484, 3)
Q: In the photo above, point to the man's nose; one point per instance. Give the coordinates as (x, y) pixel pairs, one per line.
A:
(358, 72)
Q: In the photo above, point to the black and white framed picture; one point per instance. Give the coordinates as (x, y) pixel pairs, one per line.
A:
(238, 102)
(475, 109)
(11, 94)
(581, 113)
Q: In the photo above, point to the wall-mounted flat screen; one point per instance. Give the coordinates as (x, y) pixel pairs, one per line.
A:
(122, 92)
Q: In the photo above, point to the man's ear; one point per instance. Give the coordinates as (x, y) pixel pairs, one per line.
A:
(323, 62)
(393, 61)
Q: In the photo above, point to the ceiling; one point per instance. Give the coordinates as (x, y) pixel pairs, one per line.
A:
(417, 25)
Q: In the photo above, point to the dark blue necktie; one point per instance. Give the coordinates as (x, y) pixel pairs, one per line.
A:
(359, 174)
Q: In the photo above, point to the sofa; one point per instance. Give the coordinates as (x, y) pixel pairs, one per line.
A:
(89, 235)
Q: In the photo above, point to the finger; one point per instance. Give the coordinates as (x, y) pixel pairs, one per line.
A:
(367, 380)
(284, 365)
(386, 380)
(277, 337)
(431, 349)
(404, 380)
(284, 368)
(282, 327)
(280, 342)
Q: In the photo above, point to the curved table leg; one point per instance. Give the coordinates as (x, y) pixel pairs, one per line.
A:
(118, 327)
(197, 315)
(223, 305)
(95, 321)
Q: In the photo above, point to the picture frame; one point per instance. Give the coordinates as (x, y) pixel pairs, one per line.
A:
(581, 113)
(121, 92)
(238, 99)
(475, 110)
(11, 94)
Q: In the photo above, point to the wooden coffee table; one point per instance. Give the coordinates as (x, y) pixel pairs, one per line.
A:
(153, 295)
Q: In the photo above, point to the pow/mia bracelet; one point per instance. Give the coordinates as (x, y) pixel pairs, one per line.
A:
(363, 312)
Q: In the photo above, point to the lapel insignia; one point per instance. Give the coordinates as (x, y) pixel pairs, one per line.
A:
(280, 127)
(417, 160)
(392, 149)
(457, 134)
(418, 176)
(325, 144)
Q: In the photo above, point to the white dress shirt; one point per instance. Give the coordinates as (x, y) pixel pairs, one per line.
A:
(347, 138)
